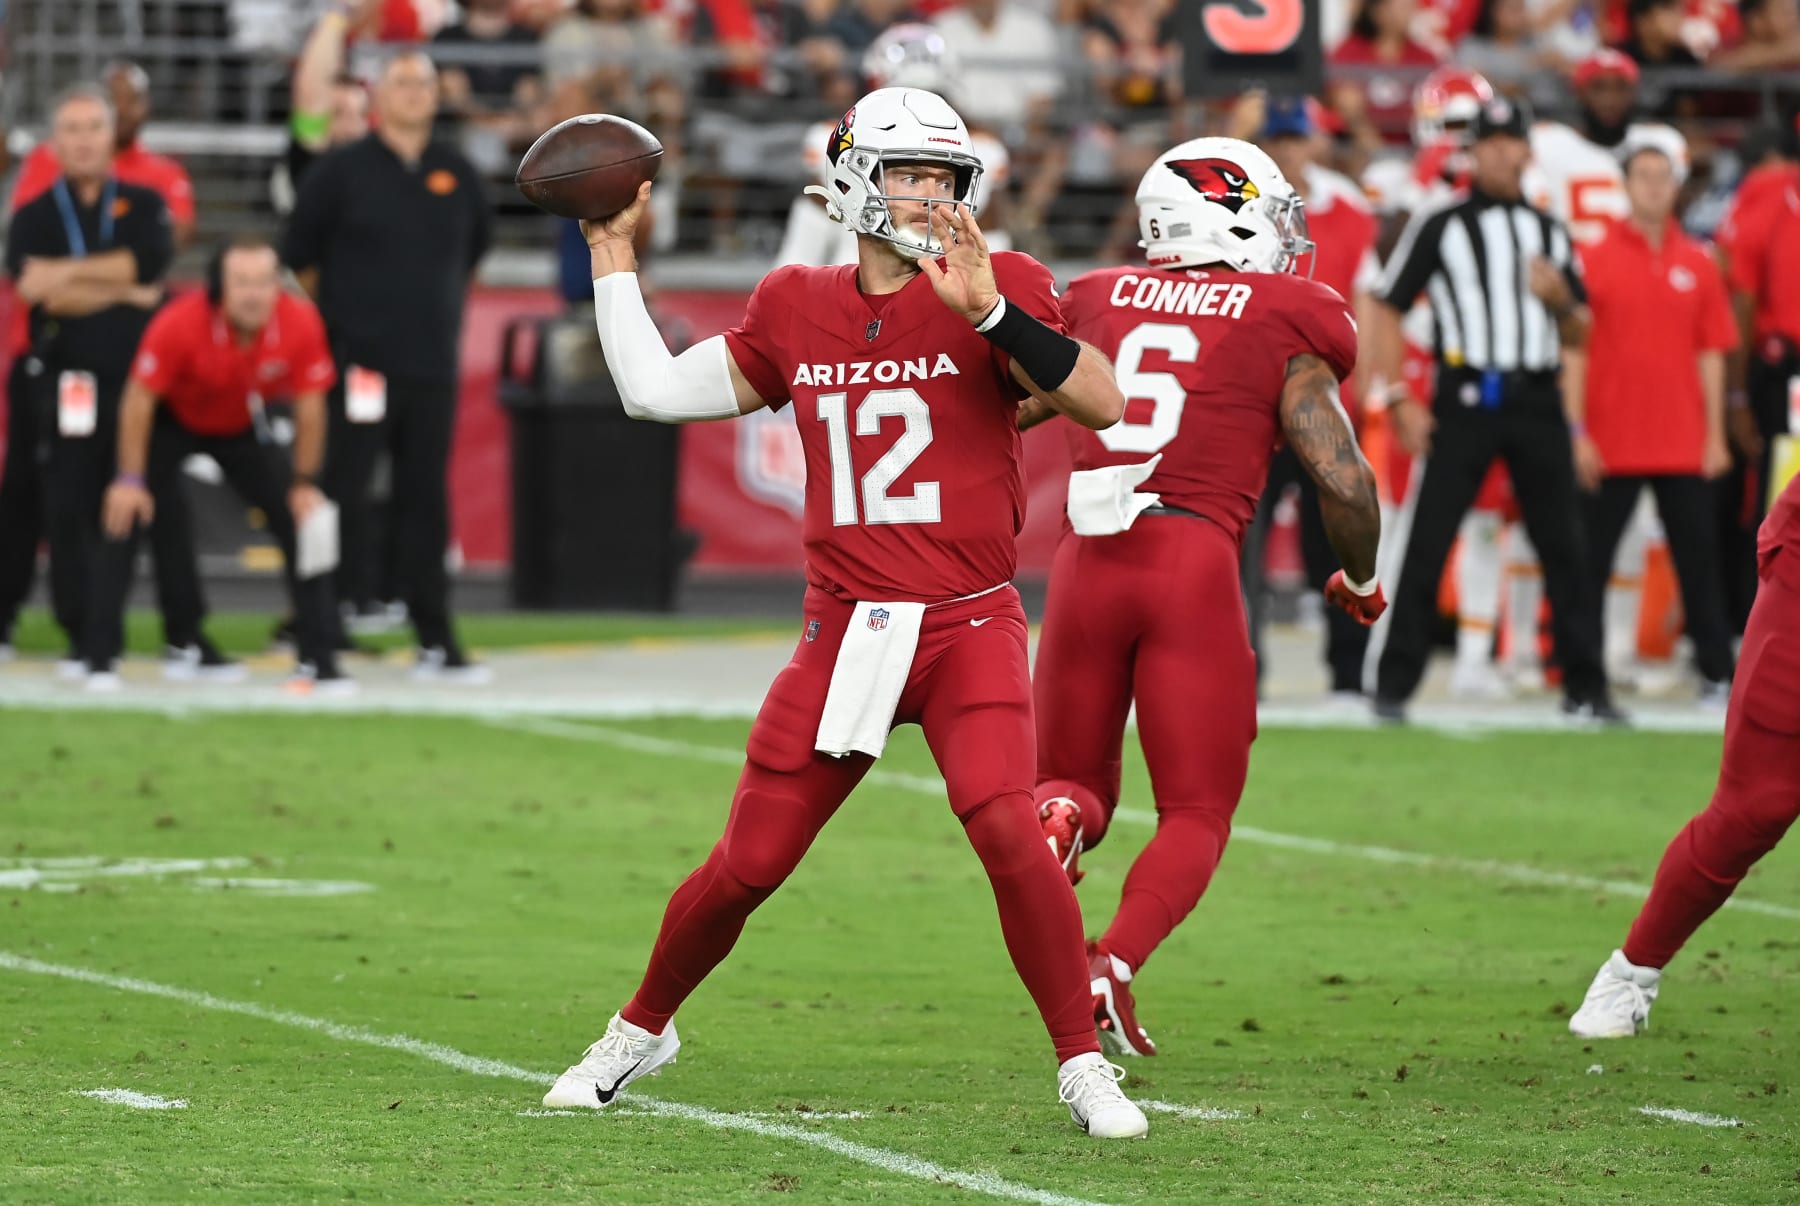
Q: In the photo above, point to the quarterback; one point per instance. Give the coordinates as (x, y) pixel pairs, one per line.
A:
(905, 372)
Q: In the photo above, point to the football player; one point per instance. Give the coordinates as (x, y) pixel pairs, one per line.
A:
(1756, 800)
(1579, 176)
(905, 372)
(1221, 354)
(904, 56)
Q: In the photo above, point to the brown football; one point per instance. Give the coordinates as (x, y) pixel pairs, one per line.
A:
(589, 166)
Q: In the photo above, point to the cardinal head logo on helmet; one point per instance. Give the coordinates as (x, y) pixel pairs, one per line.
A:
(1218, 180)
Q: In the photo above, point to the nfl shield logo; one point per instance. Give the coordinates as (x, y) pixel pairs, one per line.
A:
(878, 618)
(812, 630)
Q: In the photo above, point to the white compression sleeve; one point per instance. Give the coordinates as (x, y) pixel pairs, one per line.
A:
(688, 388)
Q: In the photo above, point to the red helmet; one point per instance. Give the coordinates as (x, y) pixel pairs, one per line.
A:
(1445, 104)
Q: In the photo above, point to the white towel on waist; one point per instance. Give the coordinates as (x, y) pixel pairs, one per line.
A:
(1103, 502)
(872, 667)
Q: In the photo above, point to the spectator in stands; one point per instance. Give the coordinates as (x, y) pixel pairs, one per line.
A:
(1655, 397)
(859, 22)
(329, 108)
(88, 257)
(1505, 49)
(486, 71)
(1011, 71)
(386, 234)
(202, 372)
(610, 56)
(1375, 102)
(1655, 39)
(1771, 40)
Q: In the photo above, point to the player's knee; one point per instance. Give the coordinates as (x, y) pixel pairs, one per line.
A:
(1004, 831)
(766, 838)
(1206, 817)
(1744, 822)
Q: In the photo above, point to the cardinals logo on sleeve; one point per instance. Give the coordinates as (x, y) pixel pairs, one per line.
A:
(1218, 180)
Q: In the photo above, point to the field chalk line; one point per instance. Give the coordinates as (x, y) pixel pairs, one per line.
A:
(876, 1157)
(932, 785)
(1691, 1117)
(137, 1101)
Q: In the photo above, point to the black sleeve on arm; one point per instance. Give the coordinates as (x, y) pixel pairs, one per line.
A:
(1413, 260)
(26, 237)
(149, 234)
(315, 207)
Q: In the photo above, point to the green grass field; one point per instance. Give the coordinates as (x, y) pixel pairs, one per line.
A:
(1366, 1030)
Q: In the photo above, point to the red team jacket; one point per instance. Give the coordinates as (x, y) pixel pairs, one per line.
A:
(909, 421)
(1216, 343)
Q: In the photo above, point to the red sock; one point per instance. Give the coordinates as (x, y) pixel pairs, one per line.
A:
(1038, 917)
(1166, 882)
(699, 928)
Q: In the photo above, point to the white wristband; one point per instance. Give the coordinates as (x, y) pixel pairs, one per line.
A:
(993, 317)
(1362, 589)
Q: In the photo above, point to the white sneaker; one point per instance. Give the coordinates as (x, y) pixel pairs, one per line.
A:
(7, 652)
(200, 663)
(1715, 696)
(1618, 1002)
(623, 1054)
(1478, 680)
(103, 682)
(1089, 1086)
(438, 664)
(71, 669)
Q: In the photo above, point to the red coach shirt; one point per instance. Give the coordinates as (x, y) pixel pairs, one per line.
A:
(193, 361)
(1201, 357)
(909, 421)
(1654, 312)
(1344, 228)
(1761, 238)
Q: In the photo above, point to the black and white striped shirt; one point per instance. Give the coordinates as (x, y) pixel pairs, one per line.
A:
(1470, 258)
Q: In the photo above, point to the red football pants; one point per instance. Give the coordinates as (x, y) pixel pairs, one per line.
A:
(970, 691)
(1758, 795)
(1153, 613)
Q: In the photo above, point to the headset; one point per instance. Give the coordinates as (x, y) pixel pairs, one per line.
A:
(215, 275)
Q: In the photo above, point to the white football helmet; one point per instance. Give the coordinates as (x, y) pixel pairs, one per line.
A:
(887, 127)
(1220, 201)
(911, 56)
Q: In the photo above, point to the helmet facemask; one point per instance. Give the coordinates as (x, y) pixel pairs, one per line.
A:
(861, 156)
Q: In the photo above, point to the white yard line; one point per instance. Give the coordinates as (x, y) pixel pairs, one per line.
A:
(1689, 1116)
(931, 785)
(876, 1157)
(27, 873)
(137, 1101)
(286, 887)
(1196, 1113)
(1455, 719)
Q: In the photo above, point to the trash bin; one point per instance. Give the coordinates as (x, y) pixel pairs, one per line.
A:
(593, 490)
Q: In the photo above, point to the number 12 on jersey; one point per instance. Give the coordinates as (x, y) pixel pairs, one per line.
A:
(878, 506)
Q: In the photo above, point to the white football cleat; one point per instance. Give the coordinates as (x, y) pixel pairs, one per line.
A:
(1618, 1002)
(623, 1054)
(1089, 1086)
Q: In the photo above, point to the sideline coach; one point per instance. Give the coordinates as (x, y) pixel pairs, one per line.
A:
(385, 234)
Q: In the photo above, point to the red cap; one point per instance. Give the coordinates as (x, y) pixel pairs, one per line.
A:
(1606, 62)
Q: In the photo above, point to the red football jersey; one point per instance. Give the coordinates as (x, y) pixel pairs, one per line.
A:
(1781, 527)
(909, 420)
(1201, 357)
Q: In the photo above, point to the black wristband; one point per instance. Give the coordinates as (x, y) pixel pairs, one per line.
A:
(1047, 356)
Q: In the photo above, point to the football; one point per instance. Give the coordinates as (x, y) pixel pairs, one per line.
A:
(589, 166)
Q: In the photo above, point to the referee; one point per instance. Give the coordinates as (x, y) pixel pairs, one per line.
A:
(1505, 296)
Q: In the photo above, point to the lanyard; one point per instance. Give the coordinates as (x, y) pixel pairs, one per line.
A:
(65, 204)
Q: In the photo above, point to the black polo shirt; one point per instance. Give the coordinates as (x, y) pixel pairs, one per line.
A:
(104, 342)
(395, 244)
